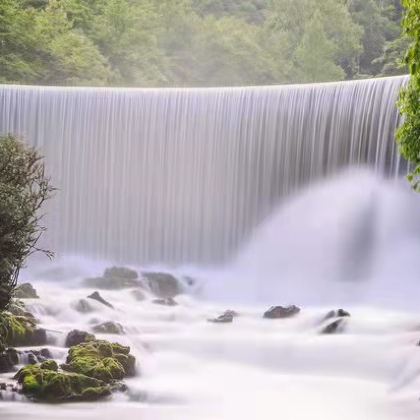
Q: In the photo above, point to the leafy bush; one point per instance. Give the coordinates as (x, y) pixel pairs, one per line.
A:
(24, 188)
(408, 134)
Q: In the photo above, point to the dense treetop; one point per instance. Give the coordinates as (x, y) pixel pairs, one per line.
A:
(198, 42)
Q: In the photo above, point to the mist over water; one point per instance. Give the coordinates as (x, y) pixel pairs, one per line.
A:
(296, 189)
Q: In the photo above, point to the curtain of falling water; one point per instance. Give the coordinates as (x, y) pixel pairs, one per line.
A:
(184, 175)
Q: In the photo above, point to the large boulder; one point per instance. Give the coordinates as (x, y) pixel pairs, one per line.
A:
(26, 291)
(49, 385)
(76, 337)
(101, 360)
(114, 278)
(109, 328)
(163, 285)
(280, 312)
(96, 296)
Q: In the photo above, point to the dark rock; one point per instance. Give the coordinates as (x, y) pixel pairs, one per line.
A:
(334, 327)
(32, 359)
(163, 285)
(225, 318)
(26, 291)
(118, 386)
(84, 307)
(165, 302)
(76, 337)
(340, 313)
(138, 295)
(46, 353)
(39, 337)
(280, 312)
(96, 296)
(8, 359)
(35, 356)
(109, 328)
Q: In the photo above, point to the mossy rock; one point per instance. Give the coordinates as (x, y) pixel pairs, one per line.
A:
(49, 365)
(48, 385)
(101, 360)
(106, 370)
(21, 331)
(26, 291)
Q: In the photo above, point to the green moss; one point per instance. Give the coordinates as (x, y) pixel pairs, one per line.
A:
(49, 365)
(101, 360)
(20, 330)
(106, 369)
(47, 385)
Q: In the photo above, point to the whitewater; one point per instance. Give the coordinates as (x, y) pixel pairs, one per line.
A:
(253, 368)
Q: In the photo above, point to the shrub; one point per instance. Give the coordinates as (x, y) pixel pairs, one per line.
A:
(408, 134)
(24, 188)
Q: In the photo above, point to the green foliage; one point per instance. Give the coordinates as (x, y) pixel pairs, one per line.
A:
(24, 187)
(408, 134)
(196, 42)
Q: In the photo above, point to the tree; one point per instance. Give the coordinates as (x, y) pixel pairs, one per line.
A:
(314, 56)
(24, 188)
(293, 19)
(408, 134)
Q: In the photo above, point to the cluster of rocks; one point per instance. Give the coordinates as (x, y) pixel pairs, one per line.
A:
(162, 285)
(96, 368)
(282, 312)
(93, 369)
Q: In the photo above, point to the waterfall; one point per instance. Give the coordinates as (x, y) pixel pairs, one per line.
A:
(185, 175)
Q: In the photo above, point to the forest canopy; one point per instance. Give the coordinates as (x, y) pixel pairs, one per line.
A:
(198, 42)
